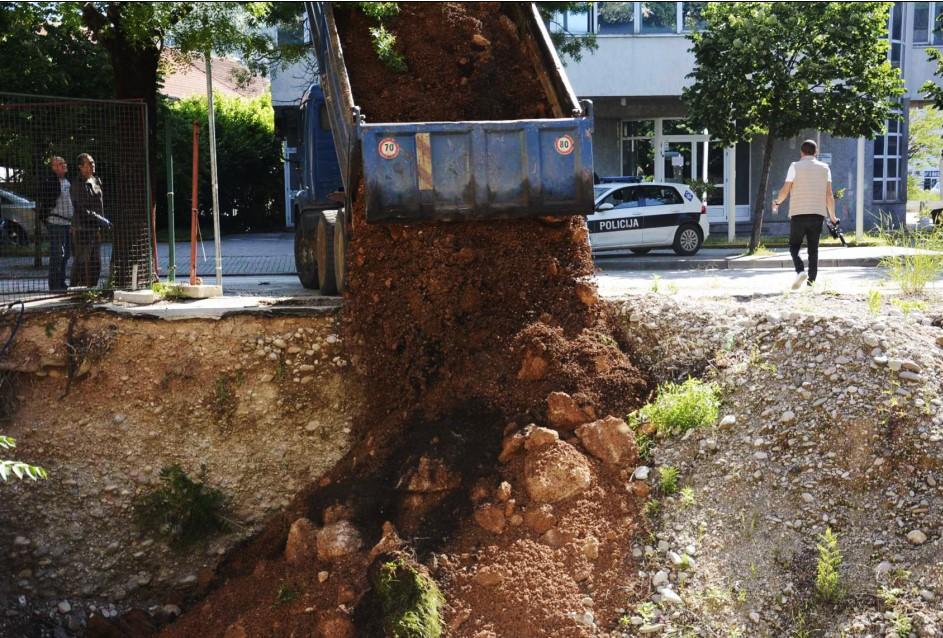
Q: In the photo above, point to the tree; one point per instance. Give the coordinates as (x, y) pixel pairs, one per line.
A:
(41, 55)
(567, 44)
(934, 90)
(925, 143)
(778, 68)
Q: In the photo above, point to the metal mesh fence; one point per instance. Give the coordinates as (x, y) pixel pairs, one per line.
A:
(81, 226)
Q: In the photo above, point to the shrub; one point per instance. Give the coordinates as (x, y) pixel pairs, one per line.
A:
(384, 43)
(681, 407)
(827, 579)
(16, 468)
(181, 510)
(410, 600)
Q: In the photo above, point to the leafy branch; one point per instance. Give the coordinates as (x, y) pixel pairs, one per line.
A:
(16, 468)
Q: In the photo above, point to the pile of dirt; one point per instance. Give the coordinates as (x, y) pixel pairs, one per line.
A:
(467, 335)
(464, 63)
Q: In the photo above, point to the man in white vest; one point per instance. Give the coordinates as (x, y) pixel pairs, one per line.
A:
(809, 187)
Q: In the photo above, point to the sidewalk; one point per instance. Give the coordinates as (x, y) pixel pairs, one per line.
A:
(730, 259)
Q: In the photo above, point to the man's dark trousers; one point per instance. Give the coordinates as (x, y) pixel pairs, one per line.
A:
(60, 249)
(808, 227)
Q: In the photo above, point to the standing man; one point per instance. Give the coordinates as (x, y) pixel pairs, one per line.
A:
(55, 203)
(809, 183)
(89, 218)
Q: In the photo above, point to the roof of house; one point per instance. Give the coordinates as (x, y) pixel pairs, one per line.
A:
(186, 78)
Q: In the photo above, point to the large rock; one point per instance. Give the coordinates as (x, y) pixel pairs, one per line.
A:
(302, 545)
(491, 517)
(610, 440)
(338, 539)
(536, 437)
(568, 413)
(555, 471)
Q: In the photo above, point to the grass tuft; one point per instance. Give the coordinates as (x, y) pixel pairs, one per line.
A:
(181, 510)
(828, 585)
(681, 407)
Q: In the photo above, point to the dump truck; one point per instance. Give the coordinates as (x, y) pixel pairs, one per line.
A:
(441, 172)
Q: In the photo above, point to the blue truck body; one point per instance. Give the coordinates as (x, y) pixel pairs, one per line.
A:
(455, 171)
(320, 174)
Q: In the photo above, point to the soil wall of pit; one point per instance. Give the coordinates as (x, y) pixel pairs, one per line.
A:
(260, 405)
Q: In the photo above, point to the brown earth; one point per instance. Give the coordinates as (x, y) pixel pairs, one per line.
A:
(460, 331)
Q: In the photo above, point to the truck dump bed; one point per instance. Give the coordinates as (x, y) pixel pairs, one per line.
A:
(468, 170)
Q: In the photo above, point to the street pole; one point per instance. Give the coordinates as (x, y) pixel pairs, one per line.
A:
(859, 193)
(171, 238)
(213, 177)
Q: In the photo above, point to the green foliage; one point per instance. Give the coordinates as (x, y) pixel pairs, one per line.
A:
(924, 141)
(44, 55)
(379, 10)
(681, 407)
(384, 43)
(651, 508)
(181, 510)
(286, 593)
(687, 496)
(903, 625)
(248, 159)
(410, 600)
(875, 301)
(16, 468)
(668, 479)
(828, 585)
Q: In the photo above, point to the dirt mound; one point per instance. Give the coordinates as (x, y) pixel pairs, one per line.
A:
(463, 60)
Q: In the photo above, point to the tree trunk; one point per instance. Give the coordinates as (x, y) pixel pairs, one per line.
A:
(759, 204)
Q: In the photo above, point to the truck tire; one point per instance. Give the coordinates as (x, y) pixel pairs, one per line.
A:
(340, 251)
(306, 263)
(688, 240)
(325, 252)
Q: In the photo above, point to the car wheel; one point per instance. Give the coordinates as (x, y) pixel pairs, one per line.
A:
(687, 241)
(641, 251)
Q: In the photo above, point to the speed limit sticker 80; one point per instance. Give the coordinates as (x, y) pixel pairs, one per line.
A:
(564, 145)
(388, 148)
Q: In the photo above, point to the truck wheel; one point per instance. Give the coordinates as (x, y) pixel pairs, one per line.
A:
(306, 263)
(340, 251)
(325, 252)
(687, 240)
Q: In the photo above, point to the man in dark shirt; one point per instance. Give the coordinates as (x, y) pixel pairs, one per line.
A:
(89, 219)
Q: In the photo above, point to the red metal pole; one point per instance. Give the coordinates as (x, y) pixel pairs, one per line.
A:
(194, 214)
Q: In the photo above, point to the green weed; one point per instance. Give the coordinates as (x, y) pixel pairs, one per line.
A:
(913, 272)
(286, 593)
(668, 479)
(681, 407)
(828, 585)
(908, 306)
(181, 510)
(384, 43)
(875, 301)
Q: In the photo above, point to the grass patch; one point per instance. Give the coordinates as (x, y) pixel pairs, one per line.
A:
(875, 301)
(828, 587)
(681, 407)
(908, 306)
(181, 510)
(913, 273)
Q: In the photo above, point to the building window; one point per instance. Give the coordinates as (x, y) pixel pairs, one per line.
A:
(615, 17)
(888, 151)
(575, 22)
(638, 148)
(659, 17)
(896, 31)
(928, 23)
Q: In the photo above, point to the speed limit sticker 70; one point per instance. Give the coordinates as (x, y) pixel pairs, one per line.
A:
(564, 145)
(388, 148)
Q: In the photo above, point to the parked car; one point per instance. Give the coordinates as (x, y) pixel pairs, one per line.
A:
(19, 217)
(640, 217)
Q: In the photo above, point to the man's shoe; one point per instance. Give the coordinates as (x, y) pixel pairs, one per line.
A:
(810, 283)
(800, 279)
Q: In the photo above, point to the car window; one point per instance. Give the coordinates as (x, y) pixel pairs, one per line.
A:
(626, 197)
(659, 196)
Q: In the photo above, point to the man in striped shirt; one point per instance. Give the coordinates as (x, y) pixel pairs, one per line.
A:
(809, 189)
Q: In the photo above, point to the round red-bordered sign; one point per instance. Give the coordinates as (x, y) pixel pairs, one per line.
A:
(388, 148)
(564, 145)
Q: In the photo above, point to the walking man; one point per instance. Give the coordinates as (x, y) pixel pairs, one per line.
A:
(88, 219)
(809, 187)
(55, 202)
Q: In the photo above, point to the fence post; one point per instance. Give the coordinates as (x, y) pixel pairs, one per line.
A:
(171, 234)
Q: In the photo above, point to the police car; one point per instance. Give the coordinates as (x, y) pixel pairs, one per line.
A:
(647, 215)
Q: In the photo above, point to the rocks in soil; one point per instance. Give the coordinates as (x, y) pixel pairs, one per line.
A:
(555, 471)
(301, 548)
(338, 539)
(491, 517)
(568, 413)
(916, 537)
(610, 440)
